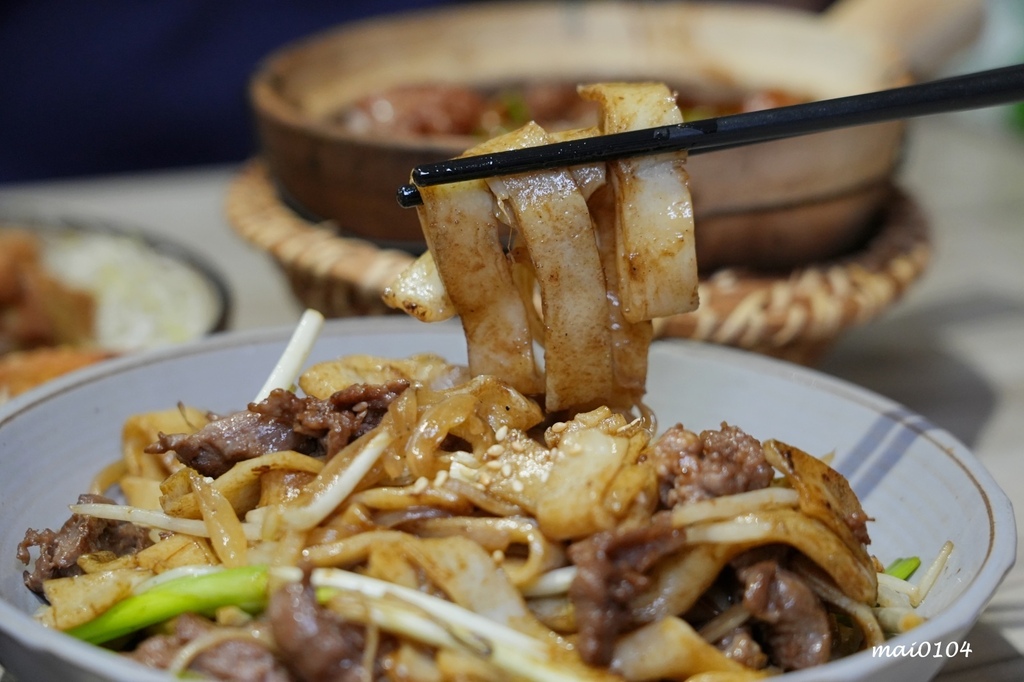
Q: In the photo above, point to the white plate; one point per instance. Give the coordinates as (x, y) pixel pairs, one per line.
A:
(149, 291)
(920, 484)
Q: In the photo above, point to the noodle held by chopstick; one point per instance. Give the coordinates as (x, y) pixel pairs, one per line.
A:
(607, 249)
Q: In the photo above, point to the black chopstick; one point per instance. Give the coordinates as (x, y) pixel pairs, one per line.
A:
(970, 91)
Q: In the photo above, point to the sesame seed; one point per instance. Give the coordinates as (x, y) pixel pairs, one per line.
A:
(501, 433)
(461, 472)
(506, 469)
(518, 446)
(441, 478)
(360, 407)
(517, 485)
(465, 458)
(420, 486)
(498, 556)
(558, 427)
(495, 450)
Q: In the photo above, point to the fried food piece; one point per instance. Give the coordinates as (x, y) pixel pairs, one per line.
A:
(36, 308)
(17, 247)
(22, 370)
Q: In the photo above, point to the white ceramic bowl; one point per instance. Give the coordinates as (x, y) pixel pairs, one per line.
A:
(920, 484)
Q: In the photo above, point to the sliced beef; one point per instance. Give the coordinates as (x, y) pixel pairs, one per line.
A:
(238, 436)
(234, 660)
(793, 622)
(610, 572)
(283, 421)
(316, 645)
(59, 550)
(335, 422)
(695, 467)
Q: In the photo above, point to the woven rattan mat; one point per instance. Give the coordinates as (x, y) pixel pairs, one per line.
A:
(796, 315)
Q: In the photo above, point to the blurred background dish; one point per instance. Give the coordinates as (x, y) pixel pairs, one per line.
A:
(76, 292)
(344, 115)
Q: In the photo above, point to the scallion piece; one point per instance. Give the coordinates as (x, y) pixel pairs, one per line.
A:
(245, 587)
(903, 568)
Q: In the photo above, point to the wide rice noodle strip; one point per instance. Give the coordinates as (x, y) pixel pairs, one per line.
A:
(352, 550)
(497, 535)
(679, 581)
(630, 340)
(589, 177)
(142, 492)
(78, 599)
(227, 535)
(525, 280)
(143, 429)
(728, 506)
(671, 649)
(434, 426)
(462, 231)
(109, 475)
(391, 498)
(657, 258)
(550, 214)
(465, 572)
(499, 405)
(240, 484)
(171, 552)
(597, 480)
(810, 536)
(418, 291)
(483, 499)
(325, 378)
(334, 484)
(825, 494)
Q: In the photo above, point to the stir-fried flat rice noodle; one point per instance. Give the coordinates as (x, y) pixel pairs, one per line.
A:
(521, 518)
(607, 250)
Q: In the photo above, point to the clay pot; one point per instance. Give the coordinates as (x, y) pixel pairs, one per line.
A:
(773, 205)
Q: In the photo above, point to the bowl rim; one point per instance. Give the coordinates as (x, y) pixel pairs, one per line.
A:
(954, 620)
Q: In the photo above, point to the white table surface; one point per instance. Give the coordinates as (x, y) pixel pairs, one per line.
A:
(952, 350)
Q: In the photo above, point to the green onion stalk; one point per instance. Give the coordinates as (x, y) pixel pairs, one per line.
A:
(903, 568)
(244, 587)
